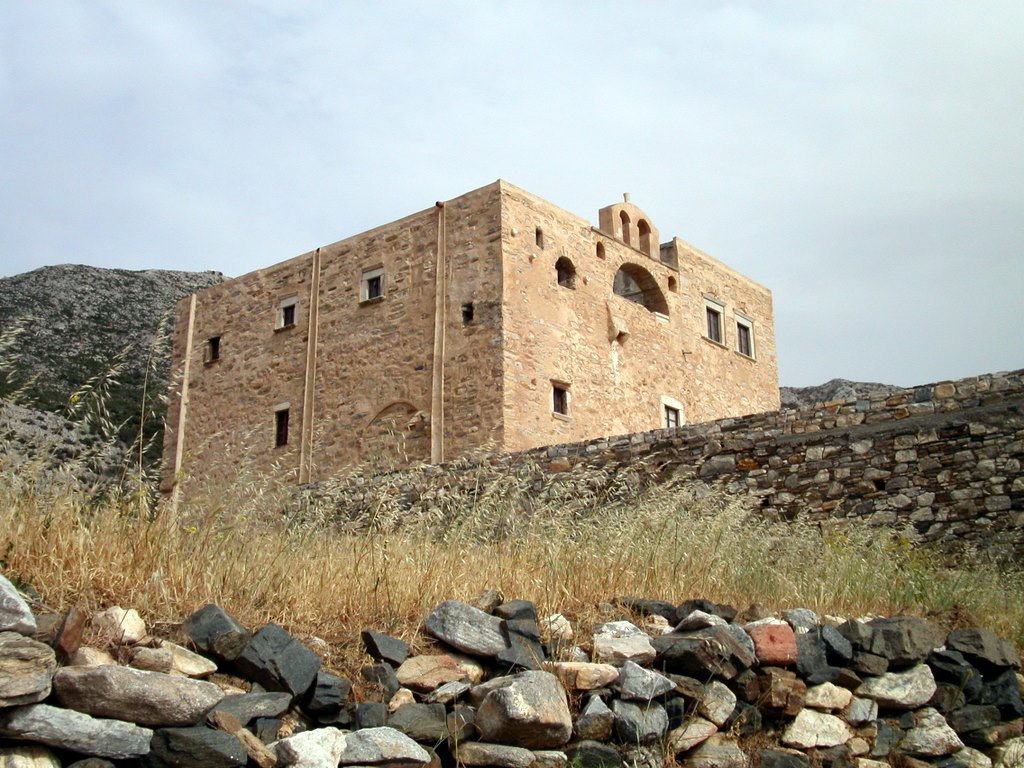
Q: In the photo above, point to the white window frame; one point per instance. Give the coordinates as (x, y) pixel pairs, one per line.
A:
(567, 389)
(364, 285)
(670, 402)
(718, 307)
(745, 322)
(282, 306)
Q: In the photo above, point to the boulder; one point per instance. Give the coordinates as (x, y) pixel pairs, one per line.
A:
(719, 751)
(153, 659)
(119, 625)
(320, 748)
(188, 663)
(949, 666)
(706, 653)
(812, 658)
(531, 711)
(984, 649)
(371, 714)
(26, 669)
(827, 696)
(973, 717)
(249, 706)
(217, 633)
(75, 731)
(694, 731)
(584, 676)
(930, 735)
(634, 683)
(30, 756)
(967, 758)
(425, 673)
(197, 747)
(278, 662)
(639, 723)
(383, 746)
(329, 693)
(423, 722)
(716, 702)
(146, 698)
(860, 711)
(811, 729)
(595, 720)
(15, 615)
(593, 754)
(1003, 691)
(900, 690)
(617, 649)
(781, 691)
(523, 652)
(383, 682)
(90, 657)
(903, 640)
(467, 629)
(801, 619)
(497, 755)
(699, 620)
(774, 642)
(447, 693)
(383, 647)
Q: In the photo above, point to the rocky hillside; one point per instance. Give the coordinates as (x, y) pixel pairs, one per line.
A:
(72, 322)
(836, 389)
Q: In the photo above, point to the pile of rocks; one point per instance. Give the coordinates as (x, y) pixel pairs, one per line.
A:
(500, 686)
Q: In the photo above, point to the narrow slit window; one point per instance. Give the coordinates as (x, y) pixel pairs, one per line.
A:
(467, 313)
(212, 349)
(560, 399)
(538, 235)
(281, 427)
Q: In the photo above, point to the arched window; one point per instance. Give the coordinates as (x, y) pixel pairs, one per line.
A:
(636, 284)
(566, 273)
(673, 285)
(624, 217)
(644, 229)
(600, 250)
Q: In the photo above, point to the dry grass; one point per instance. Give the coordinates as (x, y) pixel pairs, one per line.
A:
(239, 551)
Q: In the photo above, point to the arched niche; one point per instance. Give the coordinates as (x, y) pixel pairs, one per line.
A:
(565, 272)
(634, 283)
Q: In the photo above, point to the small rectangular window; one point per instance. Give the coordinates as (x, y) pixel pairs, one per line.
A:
(281, 427)
(372, 285)
(714, 324)
(287, 312)
(744, 337)
(467, 313)
(212, 352)
(538, 236)
(560, 399)
(671, 417)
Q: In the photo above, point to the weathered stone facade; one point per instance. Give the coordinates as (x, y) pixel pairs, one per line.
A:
(538, 329)
(941, 462)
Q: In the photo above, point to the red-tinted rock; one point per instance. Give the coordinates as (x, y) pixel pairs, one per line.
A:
(774, 644)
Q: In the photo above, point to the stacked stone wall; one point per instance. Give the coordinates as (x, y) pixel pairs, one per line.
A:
(941, 462)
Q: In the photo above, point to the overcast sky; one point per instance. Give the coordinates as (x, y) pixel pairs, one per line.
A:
(864, 160)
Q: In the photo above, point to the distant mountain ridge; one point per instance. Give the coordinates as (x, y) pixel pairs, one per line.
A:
(836, 389)
(75, 320)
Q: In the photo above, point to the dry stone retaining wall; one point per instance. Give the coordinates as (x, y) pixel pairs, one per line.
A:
(941, 461)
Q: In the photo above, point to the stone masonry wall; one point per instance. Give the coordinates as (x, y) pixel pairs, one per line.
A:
(941, 461)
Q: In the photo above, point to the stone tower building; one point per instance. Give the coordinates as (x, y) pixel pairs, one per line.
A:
(495, 320)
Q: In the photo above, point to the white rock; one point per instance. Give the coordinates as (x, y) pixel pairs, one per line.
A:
(497, 755)
(619, 629)
(188, 663)
(690, 734)
(716, 702)
(700, 620)
(374, 746)
(66, 729)
(931, 735)
(973, 758)
(828, 696)
(90, 657)
(619, 649)
(27, 756)
(556, 627)
(580, 676)
(867, 762)
(531, 712)
(15, 615)
(119, 625)
(319, 748)
(900, 690)
(811, 729)
(402, 696)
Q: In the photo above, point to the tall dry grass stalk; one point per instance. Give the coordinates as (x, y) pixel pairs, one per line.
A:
(317, 578)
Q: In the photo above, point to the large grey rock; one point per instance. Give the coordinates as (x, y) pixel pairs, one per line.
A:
(147, 698)
(900, 690)
(26, 669)
(28, 756)
(197, 747)
(595, 721)
(617, 649)
(467, 629)
(530, 712)
(983, 648)
(278, 661)
(377, 746)
(716, 702)
(498, 755)
(15, 615)
(639, 723)
(714, 651)
(693, 731)
(249, 706)
(319, 748)
(383, 647)
(593, 754)
(930, 735)
(812, 729)
(903, 640)
(635, 683)
(215, 632)
(75, 731)
(423, 722)
(327, 694)
(860, 711)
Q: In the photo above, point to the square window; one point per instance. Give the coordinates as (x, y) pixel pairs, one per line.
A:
(287, 312)
(372, 286)
(744, 337)
(280, 427)
(560, 399)
(212, 351)
(714, 324)
(671, 417)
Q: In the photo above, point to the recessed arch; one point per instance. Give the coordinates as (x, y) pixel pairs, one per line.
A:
(600, 250)
(644, 231)
(634, 283)
(565, 271)
(624, 218)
